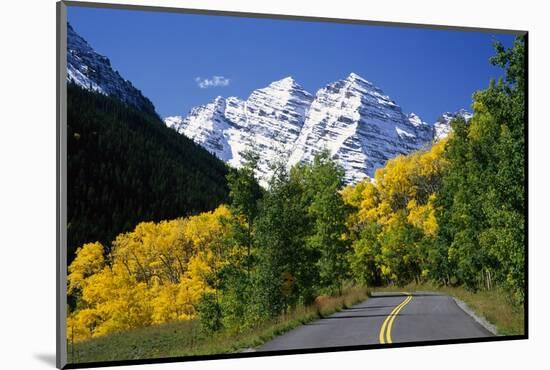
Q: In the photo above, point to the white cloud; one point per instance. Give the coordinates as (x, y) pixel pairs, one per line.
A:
(214, 81)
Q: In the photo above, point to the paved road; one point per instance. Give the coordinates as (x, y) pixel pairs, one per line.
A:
(385, 318)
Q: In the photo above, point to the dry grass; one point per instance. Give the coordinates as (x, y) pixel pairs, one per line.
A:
(494, 305)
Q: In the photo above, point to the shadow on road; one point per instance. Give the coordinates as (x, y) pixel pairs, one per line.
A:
(361, 308)
(356, 316)
(375, 295)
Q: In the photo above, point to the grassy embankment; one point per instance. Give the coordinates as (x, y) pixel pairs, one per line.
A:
(494, 305)
(185, 338)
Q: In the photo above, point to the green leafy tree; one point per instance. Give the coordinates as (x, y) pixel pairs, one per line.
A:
(244, 194)
(210, 313)
(400, 257)
(366, 256)
(286, 268)
(481, 204)
(323, 181)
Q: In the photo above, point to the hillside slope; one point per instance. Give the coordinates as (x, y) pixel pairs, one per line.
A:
(125, 166)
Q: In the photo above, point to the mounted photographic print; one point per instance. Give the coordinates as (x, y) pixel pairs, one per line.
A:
(236, 185)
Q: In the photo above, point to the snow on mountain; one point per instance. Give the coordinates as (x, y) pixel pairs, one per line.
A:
(354, 120)
(94, 72)
(360, 126)
(208, 126)
(442, 127)
(269, 122)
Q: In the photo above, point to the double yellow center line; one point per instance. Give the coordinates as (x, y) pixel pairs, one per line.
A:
(385, 330)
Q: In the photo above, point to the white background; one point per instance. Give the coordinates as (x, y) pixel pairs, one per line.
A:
(27, 182)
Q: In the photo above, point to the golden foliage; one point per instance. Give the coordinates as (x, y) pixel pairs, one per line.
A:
(399, 200)
(423, 216)
(157, 273)
(406, 183)
(89, 260)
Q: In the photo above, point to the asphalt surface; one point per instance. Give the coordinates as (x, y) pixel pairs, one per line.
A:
(422, 317)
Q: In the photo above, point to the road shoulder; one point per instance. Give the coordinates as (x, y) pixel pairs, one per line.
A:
(479, 319)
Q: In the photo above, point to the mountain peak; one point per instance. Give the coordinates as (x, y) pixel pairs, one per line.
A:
(354, 77)
(415, 120)
(354, 81)
(286, 83)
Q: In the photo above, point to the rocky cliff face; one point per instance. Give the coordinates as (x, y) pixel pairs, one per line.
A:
(93, 71)
(354, 120)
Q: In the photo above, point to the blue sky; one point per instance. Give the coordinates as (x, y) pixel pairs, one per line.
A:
(424, 71)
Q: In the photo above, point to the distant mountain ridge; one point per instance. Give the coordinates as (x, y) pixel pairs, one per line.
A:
(93, 71)
(360, 126)
(353, 119)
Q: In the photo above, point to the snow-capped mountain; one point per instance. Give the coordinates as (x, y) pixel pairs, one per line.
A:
(360, 126)
(94, 72)
(354, 120)
(442, 127)
(269, 122)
